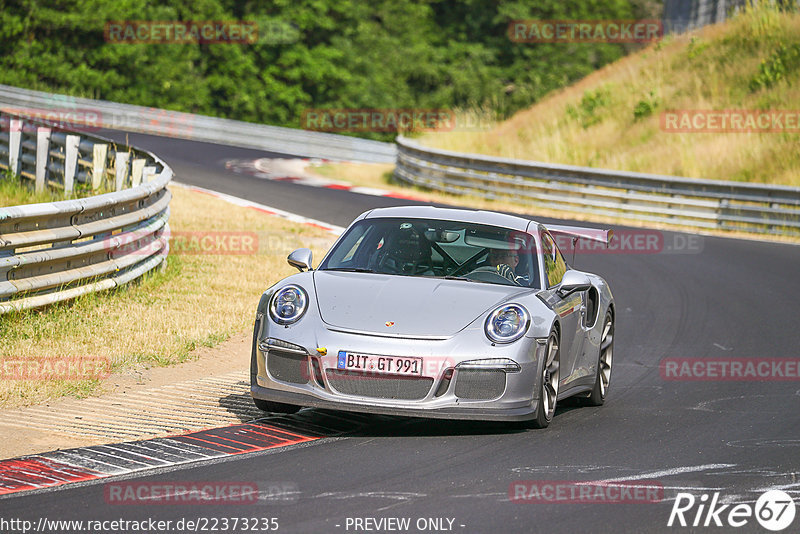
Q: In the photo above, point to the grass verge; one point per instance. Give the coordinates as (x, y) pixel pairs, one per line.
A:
(200, 298)
(16, 191)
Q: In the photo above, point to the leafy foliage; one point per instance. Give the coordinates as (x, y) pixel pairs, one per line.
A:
(645, 106)
(783, 61)
(591, 107)
(329, 54)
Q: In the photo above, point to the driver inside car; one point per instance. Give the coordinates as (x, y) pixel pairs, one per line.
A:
(505, 261)
(404, 251)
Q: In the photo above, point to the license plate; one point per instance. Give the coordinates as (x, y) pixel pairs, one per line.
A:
(390, 365)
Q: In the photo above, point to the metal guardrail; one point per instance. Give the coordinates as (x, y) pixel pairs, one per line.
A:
(154, 121)
(56, 251)
(684, 15)
(58, 160)
(701, 204)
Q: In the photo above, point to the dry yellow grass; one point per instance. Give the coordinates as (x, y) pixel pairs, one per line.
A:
(198, 299)
(593, 123)
(361, 174)
(15, 191)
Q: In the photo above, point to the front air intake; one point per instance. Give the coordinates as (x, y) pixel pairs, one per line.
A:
(480, 384)
(379, 387)
(287, 366)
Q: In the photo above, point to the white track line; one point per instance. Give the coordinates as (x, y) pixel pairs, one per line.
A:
(662, 473)
(294, 170)
(335, 230)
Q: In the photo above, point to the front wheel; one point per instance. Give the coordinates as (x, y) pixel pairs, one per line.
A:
(604, 360)
(548, 383)
(275, 407)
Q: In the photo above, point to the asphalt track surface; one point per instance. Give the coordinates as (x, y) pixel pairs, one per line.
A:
(731, 299)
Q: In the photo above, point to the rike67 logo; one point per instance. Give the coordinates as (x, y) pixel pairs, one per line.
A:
(774, 510)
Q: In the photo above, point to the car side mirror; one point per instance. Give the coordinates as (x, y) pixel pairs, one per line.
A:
(573, 281)
(300, 258)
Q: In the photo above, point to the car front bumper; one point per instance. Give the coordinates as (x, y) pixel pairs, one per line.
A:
(524, 413)
(466, 394)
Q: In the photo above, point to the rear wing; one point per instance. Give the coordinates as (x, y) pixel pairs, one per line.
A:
(578, 232)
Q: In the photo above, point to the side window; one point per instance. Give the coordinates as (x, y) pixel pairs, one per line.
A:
(554, 264)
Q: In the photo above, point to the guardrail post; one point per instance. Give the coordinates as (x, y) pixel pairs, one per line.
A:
(148, 173)
(136, 171)
(724, 204)
(122, 159)
(14, 145)
(70, 162)
(42, 155)
(99, 154)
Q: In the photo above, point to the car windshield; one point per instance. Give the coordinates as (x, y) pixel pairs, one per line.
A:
(433, 248)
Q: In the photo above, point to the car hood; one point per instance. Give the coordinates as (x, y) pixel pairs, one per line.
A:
(417, 306)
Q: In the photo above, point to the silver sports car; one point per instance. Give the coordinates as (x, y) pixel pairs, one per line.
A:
(435, 312)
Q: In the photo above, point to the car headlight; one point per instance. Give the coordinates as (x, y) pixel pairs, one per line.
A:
(507, 323)
(288, 305)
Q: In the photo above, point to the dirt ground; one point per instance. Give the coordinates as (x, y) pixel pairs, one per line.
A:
(218, 370)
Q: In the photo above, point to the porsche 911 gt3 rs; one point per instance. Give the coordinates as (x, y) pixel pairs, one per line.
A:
(436, 312)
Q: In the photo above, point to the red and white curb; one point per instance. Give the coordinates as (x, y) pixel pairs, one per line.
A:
(294, 171)
(51, 469)
(332, 228)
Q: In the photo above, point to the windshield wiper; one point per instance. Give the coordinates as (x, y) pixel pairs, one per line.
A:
(450, 277)
(349, 269)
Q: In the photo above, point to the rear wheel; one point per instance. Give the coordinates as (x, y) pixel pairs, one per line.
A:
(548, 383)
(604, 360)
(275, 407)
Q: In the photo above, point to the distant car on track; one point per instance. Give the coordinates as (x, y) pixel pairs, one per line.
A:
(436, 312)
